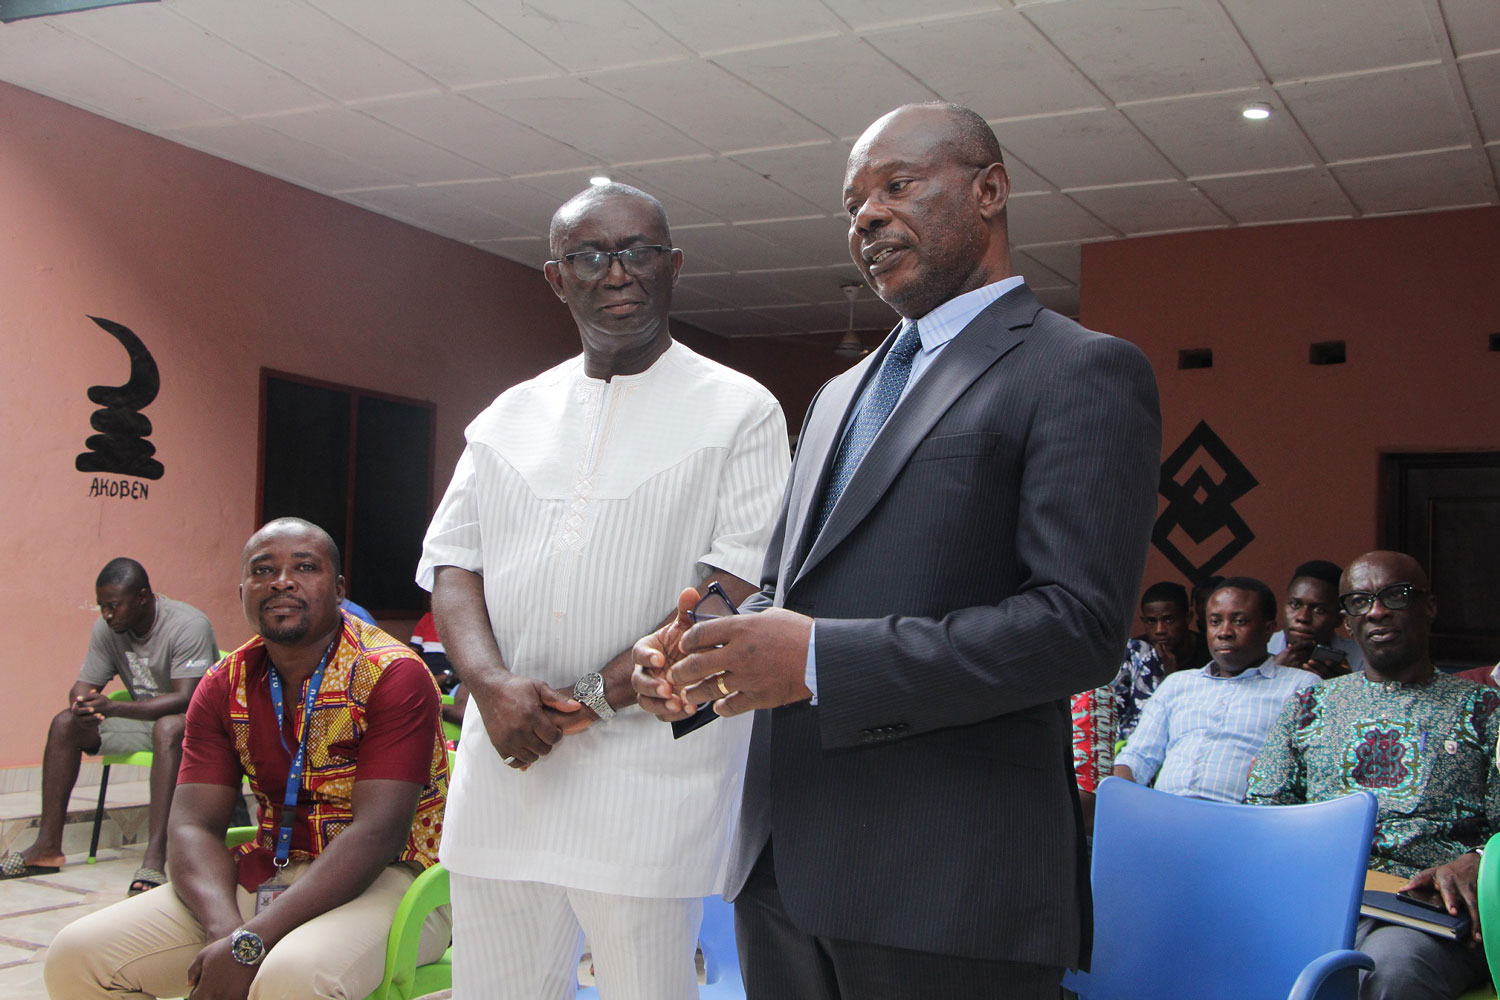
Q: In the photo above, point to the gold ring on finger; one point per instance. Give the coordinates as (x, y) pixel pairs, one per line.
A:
(723, 690)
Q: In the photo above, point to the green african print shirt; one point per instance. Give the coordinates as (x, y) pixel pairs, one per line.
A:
(1426, 751)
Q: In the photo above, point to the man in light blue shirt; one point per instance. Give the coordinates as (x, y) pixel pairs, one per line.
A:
(1200, 732)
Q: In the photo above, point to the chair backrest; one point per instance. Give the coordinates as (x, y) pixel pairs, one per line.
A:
(1489, 905)
(1208, 900)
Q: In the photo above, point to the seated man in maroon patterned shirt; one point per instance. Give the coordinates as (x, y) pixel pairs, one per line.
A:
(336, 726)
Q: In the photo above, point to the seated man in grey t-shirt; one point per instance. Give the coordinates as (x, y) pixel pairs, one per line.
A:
(159, 648)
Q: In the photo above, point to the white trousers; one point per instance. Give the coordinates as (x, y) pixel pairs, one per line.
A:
(523, 941)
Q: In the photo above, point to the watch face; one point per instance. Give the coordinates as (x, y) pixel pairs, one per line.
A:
(591, 686)
(246, 947)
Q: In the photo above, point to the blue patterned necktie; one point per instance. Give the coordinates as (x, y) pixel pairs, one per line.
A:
(878, 403)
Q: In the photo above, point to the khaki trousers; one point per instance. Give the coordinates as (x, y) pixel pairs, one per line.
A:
(142, 947)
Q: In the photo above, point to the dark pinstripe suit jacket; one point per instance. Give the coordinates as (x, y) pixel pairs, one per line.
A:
(981, 566)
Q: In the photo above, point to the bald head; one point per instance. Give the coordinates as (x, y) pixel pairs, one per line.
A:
(962, 131)
(294, 526)
(578, 206)
(1386, 564)
(1391, 591)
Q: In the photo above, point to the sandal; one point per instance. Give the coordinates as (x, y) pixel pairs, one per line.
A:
(145, 879)
(14, 865)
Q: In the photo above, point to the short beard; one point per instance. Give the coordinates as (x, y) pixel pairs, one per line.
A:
(290, 632)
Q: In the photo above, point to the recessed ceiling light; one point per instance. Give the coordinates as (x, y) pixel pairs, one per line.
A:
(1255, 112)
(599, 181)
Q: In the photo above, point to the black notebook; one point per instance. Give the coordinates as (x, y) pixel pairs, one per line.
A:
(1394, 909)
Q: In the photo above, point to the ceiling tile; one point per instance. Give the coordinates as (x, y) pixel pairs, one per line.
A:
(696, 97)
(978, 61)
(449, 40)
(1193, 47)
(840, 83)
(1472, 25)
(307, 44)
(1063, 300)
(1294, 38)
(817, 284)
(1022, 178)
(863, 14)
(814, 318)
(524, 205)
(154, 37)
(361, 137)
(1051, 218)
(476, 133)
(38, 56)
(587, 119)
(725, 24)
(1280, 196)
(736, 290)
(437, 209)
(1481, 78)
(735, 248)
(259, 148)
(1151, 208)
(735, 323)
(1208, 135)
(1402, 111)
(816, 172)
(1037, 274)
(722, 186)
(1065, 259)
(689, 296)
(528, 250)
(1084, 149)
(818, 242)
(585, 35)
(1417, 183)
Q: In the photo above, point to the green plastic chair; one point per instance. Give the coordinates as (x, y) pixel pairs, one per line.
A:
(141, 758)
(450, 730)
(1489, 917)
(403, 978)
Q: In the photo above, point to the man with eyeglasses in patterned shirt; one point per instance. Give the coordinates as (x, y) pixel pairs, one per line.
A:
(1424, 743)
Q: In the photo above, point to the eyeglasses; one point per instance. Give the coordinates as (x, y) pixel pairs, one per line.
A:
(1395, 597)
(589, 265)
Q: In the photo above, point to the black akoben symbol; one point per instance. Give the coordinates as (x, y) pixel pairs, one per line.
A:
(121, 445)
(1200, 531)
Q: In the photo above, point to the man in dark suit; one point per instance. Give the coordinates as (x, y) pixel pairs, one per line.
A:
(958, 551)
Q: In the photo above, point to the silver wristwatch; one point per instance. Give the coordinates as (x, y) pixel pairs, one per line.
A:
(590, 691)
(246, 947)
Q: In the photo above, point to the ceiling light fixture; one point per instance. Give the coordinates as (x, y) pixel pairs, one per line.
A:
(599, 180)
(849, 345)
(1257, 111)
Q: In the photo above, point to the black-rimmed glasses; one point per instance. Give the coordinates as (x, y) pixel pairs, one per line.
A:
(1394, 597)
(588, 265)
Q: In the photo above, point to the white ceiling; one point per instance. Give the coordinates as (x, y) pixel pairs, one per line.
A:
(476, 118)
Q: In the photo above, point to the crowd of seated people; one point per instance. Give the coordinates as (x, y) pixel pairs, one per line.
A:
(1308, 714)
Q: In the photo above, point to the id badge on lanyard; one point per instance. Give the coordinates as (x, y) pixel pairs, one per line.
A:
(274, 886)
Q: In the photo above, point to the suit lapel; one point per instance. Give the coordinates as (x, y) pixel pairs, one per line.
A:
(989, 336)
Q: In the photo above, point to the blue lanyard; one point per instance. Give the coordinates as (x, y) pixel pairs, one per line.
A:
(294, 773)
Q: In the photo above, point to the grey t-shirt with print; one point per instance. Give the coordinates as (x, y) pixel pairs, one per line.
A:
(180, 644)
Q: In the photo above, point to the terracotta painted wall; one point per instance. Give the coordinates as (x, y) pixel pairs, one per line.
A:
(1414, 298)
(220, 271)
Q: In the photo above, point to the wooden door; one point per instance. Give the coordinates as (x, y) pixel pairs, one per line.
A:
(1444, 509)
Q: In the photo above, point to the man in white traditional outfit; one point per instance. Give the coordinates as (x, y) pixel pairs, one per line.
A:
(585, 501)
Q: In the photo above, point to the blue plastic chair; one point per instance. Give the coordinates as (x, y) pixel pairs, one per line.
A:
(721, 959)
(1225, 902)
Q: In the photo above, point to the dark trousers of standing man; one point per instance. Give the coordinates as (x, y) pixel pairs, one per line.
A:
(781, 962)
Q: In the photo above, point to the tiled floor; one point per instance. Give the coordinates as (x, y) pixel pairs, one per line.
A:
(33, 909)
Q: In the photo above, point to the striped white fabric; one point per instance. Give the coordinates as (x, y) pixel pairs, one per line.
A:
(587, 506)
(523, 940)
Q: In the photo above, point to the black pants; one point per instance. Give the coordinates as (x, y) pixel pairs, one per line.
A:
(781, 962)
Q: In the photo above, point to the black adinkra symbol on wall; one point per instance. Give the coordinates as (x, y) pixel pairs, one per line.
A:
(1201, 481)
(121, 445)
